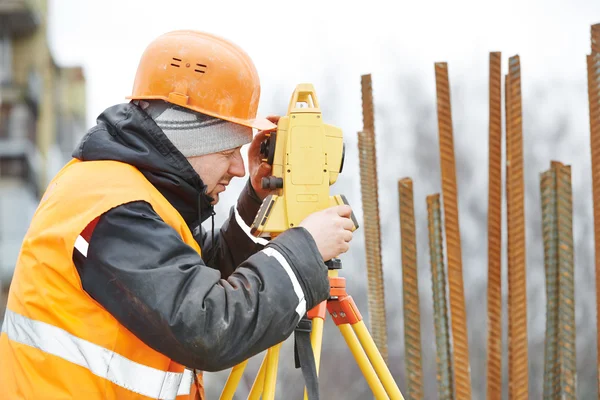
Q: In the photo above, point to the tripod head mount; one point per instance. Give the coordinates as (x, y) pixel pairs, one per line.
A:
(334, 263)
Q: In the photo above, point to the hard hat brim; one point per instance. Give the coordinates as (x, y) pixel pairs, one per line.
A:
(262, 124)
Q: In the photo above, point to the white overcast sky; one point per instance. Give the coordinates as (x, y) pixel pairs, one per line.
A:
(331, 43)
(311, 41)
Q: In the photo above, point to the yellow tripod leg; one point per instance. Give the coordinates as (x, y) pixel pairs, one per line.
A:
(377, 361)
(233, 381)
(259, 381)
(316, 341)
(271, 372)
(363, 362)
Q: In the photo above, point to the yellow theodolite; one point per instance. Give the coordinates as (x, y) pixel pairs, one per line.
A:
(307, 155)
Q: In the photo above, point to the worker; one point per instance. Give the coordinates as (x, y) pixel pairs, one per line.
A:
(119, 292)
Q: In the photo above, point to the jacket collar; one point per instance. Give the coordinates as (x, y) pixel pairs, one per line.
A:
(127, 134)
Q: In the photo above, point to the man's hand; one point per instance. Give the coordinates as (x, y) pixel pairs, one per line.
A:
(258, 168)
(331, 229)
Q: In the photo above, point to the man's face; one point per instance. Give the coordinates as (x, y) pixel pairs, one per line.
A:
(217, 170)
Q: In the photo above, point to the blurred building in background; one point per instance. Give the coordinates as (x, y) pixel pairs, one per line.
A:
(42, 116)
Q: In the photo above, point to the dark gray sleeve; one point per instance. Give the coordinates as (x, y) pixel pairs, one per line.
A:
(230, 245)
(158, 287)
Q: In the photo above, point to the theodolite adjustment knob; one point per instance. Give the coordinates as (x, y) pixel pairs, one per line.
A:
(272, 182)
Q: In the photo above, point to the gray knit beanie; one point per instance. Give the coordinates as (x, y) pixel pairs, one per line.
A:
(193, 133)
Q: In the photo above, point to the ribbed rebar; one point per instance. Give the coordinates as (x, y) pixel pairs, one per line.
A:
(550, 236)
(367, 104)
(593, 64)
(458, 313)
(566, 289)
(372, 229)
(508, 211)
(410, 292)
(371, 223)
(517, 310)
(372, 242)
(440, 309)
(494, 300)
(595, 38)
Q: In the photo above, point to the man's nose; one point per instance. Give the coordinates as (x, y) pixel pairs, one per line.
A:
(237, 165)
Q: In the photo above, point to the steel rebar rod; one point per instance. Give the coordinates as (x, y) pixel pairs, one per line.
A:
(550, 237)
(410, 291)
(508, 214)
(440, 309)
(372, 243)
(595, 38)
(593, 69)
(494, 300)
(566, 289)
(372, 228)
(517, 287)
(458, 313)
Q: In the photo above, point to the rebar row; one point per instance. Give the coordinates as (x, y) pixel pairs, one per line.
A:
(450, 201)
(372, 228)
(410, 292)
(517, 288)
(440, 309)
(453, 371)
(494, 300)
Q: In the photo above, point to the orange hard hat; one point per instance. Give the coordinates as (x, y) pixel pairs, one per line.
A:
(204, 73)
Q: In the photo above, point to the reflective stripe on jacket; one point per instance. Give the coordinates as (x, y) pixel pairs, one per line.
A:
(56, 341)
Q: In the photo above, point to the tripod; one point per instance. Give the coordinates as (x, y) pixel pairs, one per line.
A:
(347, 318)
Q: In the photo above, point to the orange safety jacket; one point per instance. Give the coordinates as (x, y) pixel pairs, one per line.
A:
(56, 341)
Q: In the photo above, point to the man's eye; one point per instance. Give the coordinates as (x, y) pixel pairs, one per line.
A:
(229, 153)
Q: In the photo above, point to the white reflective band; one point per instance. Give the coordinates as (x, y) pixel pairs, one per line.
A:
(246, 229)
(82, 245)
(186, 382)
(102, 362)
(301, 309)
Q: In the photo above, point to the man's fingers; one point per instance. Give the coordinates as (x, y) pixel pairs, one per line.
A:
(260, 136)
(345, 247)
(256, 141)
(344, 210)
(264, 168)
(254, 153)
(347, 236)
(347, 224)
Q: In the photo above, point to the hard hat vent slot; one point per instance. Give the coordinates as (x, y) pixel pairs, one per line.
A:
(176, 59)
(201, 68)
